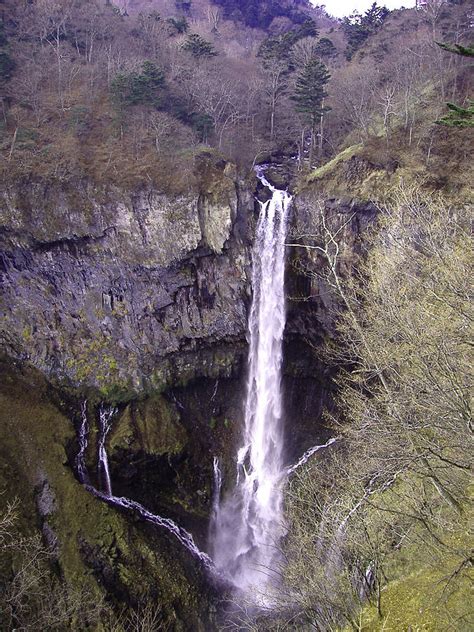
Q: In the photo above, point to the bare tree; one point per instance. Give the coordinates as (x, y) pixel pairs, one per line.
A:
(404, 474)
(214, 18)
(53, 16)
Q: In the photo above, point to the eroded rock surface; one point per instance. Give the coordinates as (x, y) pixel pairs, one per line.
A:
(100, 287)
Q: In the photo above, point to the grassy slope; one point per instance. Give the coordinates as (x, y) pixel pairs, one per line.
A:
(426, 587)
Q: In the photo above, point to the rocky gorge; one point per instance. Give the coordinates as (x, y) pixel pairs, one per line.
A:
(140, 300)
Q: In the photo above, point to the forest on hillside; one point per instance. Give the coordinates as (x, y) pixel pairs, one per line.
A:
(91, 89)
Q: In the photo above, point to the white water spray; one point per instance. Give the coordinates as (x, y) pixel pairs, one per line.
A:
(308, 454)
(249, 523)
(106, 415)
(82, 439)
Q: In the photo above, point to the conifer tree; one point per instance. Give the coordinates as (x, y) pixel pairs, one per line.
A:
(199, 47)
(310, 91)
(358, 28)
(458, 116)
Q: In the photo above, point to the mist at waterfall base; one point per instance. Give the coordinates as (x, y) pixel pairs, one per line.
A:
(248, 525)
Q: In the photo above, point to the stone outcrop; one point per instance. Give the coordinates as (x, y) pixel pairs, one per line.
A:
(102, 287)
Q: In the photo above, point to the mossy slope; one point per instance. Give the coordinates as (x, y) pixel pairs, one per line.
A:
(99, 549)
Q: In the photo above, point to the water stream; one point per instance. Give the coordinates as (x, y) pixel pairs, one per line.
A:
(106, 414)
(82, 439)
(183, 536)
(248, 524)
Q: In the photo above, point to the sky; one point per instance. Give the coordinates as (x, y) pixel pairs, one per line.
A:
(339, 8)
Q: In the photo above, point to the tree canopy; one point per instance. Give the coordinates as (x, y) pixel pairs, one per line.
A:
(358, 27)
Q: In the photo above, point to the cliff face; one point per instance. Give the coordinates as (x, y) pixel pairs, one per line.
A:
(101, 286)
(139, 298)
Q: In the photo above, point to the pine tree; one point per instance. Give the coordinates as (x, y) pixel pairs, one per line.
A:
(457, 115)
(325, 48)
(198, 46)
(358, 28)
(309, 97)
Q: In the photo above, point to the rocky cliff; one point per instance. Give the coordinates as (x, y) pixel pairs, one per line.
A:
(109, 288)
(140, 299)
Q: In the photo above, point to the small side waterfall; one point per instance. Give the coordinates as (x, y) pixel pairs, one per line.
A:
(216, 492)
(249, 523)
(106, 415)
(308, 454)
(82, 439)
(183, 536)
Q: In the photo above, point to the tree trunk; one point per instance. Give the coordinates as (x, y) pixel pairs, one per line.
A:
(321, 135)
(12, 146)
(311, 147)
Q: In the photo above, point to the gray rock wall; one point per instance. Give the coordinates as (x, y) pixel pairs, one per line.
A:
(103, 288)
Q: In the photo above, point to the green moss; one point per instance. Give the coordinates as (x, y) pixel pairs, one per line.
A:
(329, 167)
(99, 548)
(26, 334)
(151, 426)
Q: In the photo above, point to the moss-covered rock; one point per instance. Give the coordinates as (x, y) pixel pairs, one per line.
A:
(97, 547)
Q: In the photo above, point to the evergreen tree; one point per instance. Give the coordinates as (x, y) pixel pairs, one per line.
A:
(457, 115)
(199, 47)
(178, 25)
(7, 64)
(144, 88)
(358, 28)
(464, 51)
(310, 91)
(325, 48)
(279, 46)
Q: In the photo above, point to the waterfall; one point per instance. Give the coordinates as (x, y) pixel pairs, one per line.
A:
(183, 536)
(216, 498)
(82, 439)
(105, 423)
(249, 523)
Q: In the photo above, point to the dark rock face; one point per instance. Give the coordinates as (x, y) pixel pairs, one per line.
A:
(314, 303)
(104, 291)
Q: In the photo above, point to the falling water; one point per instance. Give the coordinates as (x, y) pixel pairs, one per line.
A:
(105, 423)
(169, 525)
(216, 498)
(308, 454)
(82, 439)
(249, 523)
(106, 415)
